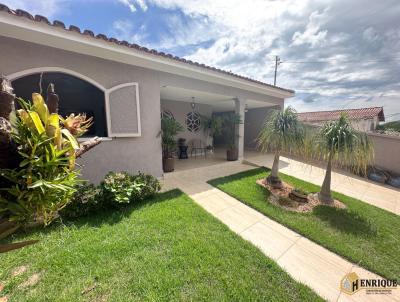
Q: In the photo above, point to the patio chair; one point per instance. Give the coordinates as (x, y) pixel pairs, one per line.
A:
(197, 146)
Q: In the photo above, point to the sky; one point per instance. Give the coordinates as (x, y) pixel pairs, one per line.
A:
(335, 54)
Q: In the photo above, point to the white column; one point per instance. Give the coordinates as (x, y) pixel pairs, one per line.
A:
(240, 105)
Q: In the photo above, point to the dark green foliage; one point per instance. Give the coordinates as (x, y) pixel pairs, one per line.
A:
(149, 186)
(84, 202)
(281, 132)
(169, 129)
(115, 190)
(119, 187)
(395, 126)
(228, 127)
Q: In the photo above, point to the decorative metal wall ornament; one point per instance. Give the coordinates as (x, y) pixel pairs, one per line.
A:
(167, 114)
(193, 121)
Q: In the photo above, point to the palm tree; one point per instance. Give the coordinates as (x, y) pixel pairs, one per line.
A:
(337, 141)
(281, 132)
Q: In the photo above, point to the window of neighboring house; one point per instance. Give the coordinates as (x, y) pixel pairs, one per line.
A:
(76, 96)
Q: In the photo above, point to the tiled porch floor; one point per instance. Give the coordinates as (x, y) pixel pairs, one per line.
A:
(303, 259)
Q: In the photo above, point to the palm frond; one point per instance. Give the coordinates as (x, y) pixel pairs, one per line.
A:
(281, 131)
(349, 148)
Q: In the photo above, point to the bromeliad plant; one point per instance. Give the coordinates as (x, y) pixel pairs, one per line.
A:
(46, 177)
(337, 141)
(281, 132)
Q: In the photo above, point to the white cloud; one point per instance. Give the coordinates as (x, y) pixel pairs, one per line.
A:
(129, 4)
(341, 33)
(142, 4)
(48, 8)
(312, 34)
(132, 4)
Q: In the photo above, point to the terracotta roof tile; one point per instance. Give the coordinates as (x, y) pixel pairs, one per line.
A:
(57, 23)
(40, 18)
(89, 33)
(360, 113)
(75, 29)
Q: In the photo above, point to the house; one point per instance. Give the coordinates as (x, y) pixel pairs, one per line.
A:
(363, 119)
(126, 88)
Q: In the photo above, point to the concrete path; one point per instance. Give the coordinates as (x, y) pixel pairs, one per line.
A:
(382, 196)
(304, 260)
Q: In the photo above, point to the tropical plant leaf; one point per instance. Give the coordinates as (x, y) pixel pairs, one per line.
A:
(40, 107)
(37, 122)
(72, 140)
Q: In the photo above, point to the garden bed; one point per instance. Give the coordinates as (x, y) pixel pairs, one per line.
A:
(287, 198)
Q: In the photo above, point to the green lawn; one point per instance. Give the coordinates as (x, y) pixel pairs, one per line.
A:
(362, 233)
(166, 249)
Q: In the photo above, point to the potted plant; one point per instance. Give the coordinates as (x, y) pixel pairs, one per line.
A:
(182, 148)
(211, 126)
(169, 129)
(230, 121)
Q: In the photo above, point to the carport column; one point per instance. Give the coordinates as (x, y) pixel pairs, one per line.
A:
(240, 105)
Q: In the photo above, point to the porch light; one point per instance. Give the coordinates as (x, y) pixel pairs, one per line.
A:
(193, 104)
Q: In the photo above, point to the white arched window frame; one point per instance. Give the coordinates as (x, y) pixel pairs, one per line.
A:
(106, 91)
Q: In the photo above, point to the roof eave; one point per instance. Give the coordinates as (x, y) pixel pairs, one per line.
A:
(22, 29)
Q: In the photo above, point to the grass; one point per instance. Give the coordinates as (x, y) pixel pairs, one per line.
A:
(166, 249)
(361, 233)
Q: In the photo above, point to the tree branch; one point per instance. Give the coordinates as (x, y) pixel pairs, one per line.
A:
(87, 145)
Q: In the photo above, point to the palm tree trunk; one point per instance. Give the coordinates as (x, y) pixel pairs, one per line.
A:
(325, 193)
(273, 178)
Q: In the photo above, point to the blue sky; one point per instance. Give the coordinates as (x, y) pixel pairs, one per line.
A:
(336, 53)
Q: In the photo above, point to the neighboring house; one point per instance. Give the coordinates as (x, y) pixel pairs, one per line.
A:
(126, 88)
(363, 119)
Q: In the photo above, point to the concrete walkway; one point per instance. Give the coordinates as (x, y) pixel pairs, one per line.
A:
(304, 260)
(382, 196)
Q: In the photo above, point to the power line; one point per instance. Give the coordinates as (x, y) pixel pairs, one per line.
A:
(339, 61)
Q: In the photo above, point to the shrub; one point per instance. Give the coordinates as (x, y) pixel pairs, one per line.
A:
(119, 187)
(150, 186)
(115, 190)
(86, 200)
(123, 188)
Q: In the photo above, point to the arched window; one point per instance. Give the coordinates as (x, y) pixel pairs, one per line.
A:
(76, 96)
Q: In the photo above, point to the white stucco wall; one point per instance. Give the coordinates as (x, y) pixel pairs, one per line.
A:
(179, 110)
(130, 154)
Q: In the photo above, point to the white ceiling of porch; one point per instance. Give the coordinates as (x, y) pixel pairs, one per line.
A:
(219, 102)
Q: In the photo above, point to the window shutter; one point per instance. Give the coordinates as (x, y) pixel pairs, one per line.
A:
(123, 111)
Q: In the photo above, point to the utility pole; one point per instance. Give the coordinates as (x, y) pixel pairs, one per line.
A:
(277, 62)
